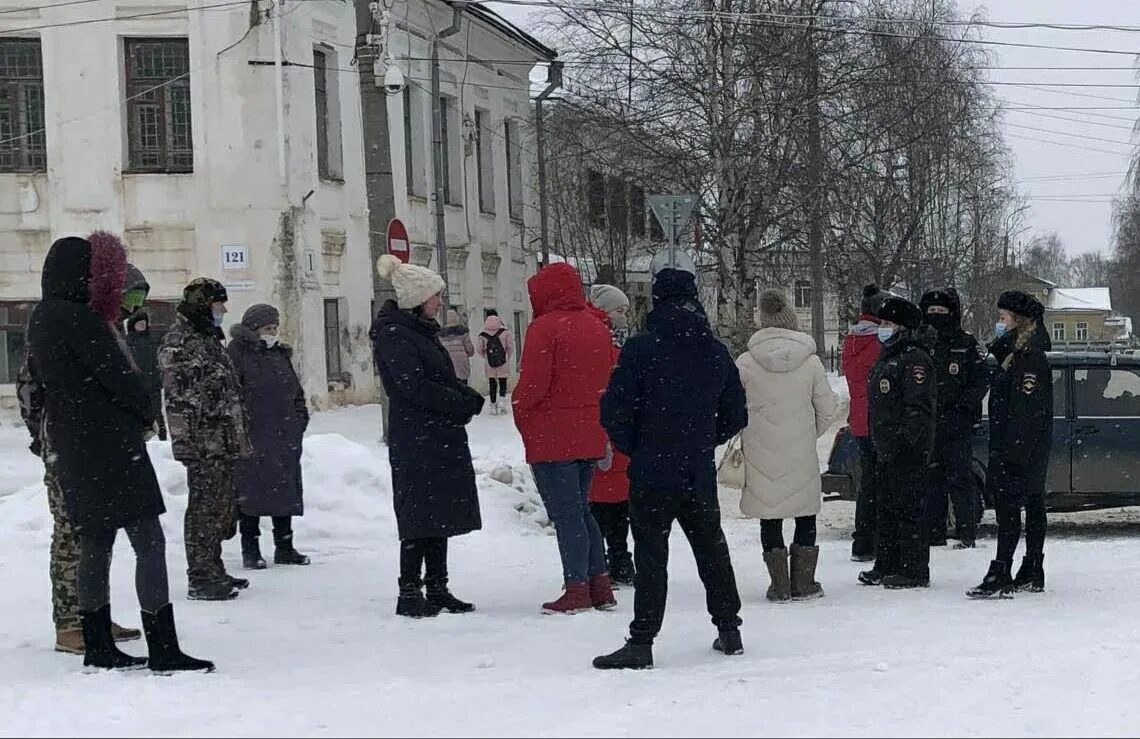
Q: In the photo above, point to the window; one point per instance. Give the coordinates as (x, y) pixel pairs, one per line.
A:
(1102, 392)
(1058, 331)
(327, 107)
(332, 339)
(449, 134)
(1082, 332)
(485, 161)
(596, 199)
(414, 142)
(616, 194)
(22, 139)
(637, 211)
(13, 335)
(514, 169)
(803, 294)
(158, 105)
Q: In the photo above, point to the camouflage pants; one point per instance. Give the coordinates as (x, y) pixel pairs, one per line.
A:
(64, 557)
(211, 518)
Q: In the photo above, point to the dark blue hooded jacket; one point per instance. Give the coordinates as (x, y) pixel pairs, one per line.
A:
(675, 395)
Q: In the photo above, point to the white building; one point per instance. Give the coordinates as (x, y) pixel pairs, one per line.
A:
(165, 122)
(489, 198)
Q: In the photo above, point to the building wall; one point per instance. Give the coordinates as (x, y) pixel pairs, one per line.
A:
(306, 239)
(1093, 321)
(489, 255)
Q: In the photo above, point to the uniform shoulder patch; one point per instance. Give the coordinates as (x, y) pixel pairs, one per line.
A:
(955, 368)
(1029, 383)
(885, 386)
(918, 374)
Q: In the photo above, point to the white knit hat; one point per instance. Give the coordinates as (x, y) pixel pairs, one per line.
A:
(608, 298)
(414, 285)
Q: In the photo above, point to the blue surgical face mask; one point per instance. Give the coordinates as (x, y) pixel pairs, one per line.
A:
(218, 318)
(1000, 330)
(885, 334)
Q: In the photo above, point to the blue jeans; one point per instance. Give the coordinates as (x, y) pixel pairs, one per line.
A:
(565, 488)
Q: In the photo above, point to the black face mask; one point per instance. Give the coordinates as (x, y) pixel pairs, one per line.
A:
(941, 321)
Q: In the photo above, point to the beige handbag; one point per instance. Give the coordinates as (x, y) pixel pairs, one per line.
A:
(732, 473)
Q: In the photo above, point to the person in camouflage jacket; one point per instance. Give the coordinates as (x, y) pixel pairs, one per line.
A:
(209, 433)
(64, 557)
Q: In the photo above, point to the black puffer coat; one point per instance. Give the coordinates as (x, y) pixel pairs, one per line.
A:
(1021, 418)
(96, 404)
(269, 482)
(144, 348)
(433, 479)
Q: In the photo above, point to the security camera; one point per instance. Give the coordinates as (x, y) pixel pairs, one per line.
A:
(393, 80)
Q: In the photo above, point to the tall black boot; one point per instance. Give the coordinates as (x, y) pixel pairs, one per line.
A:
(251, 558)
(99, 643)
(412, 603)
(162, 640)
(1031, 575)
(284, 553)
(438, 596)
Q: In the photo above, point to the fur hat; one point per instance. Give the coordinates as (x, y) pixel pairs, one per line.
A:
(1021, 304)
(414, 285)
(775, 311)
(608, 298)
(259, 316)
(902, 312)
(203, 291)
(873, 299)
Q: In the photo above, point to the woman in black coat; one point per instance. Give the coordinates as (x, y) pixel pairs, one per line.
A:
(433, 479)
(269, 482)
(97, 411)
(1021, 439)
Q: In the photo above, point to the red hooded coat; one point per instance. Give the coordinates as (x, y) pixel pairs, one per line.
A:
(566, 363)
(860, 352)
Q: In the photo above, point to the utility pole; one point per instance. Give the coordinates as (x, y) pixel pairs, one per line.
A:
(553, 82)
(816, 213)
(438, 148)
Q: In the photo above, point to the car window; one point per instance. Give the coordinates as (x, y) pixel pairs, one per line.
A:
(1107, 392)
(1060, 393)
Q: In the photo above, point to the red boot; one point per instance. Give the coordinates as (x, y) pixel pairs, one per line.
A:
(602, 592)
(575, 599)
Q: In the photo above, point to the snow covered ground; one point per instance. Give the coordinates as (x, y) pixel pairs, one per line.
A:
(318, 651)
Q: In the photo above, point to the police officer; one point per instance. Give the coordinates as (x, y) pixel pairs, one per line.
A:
(903, 391)
(1021, 438)
(960, 367)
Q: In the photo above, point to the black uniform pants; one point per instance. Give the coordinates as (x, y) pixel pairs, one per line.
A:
(952, 482)
(866, 508)
(652, 516)
(902, 547)
(613, 520)
(250, 527)
(427, 556)
(151, 580)
(1009, 527)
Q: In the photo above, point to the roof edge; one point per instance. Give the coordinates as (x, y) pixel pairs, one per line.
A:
(478, 9)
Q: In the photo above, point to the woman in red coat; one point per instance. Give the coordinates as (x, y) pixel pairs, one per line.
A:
(566, 364)
(609, 492)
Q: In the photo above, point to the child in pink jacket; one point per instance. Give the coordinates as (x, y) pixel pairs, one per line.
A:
(496, 345)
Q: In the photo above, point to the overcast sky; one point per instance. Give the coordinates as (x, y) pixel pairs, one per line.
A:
(1076, 159)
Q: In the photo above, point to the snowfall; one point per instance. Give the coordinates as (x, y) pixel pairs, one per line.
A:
(318, 651)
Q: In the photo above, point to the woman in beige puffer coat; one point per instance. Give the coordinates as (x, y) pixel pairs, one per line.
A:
(790, 405)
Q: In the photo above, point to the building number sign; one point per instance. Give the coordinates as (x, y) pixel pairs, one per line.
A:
(235, 256)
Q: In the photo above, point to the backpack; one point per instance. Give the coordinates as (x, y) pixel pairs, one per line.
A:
(496, 352)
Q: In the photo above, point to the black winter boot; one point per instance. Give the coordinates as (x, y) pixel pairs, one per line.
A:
(872, 577)
(621, 569)
(729, 643)
(630, 657)
(905, 582)
(997, 583)
(412, 603)
(438, 596)
(223, 590)
(237, 583)
(162, 640)
(99, 644)
(1031, 575)
(251, 558)
(285, 554)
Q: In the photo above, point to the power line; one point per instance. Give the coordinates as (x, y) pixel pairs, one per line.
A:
(1066, 145)
(1115, 126)
(1086, 137)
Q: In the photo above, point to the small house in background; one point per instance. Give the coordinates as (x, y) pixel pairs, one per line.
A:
(1075, 315)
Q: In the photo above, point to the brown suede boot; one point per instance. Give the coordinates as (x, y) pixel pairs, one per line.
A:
(780, 591)
(70, 641)
(804, 586)
(122, 633)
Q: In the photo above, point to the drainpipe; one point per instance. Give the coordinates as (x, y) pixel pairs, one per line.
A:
(279, 75)
(553, 82)
(438, 144)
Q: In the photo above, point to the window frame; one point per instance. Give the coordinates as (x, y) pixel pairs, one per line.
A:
(409, 143)
(1079, 412)
(332, 341)
(1058, 325)
(26, 137)
(516, 205)
(139, 91)
(799, 288)
(1082, 328)
(484, 162)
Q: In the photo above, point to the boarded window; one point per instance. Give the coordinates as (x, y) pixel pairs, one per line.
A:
(333, 366)
(485, 161)
(511, 134)
(22, 137)
(158, 105)
(321, 94)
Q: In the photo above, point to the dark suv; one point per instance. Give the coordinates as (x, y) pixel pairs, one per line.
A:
(1096, 437)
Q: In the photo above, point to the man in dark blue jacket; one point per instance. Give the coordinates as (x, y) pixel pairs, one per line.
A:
(674, 397)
